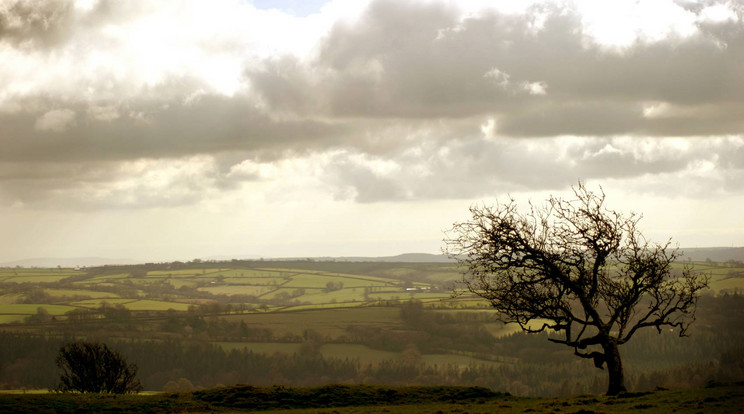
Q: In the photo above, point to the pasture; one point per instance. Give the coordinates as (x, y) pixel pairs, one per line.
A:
(95, 303)
(72, 293)
(35, 278)
(30, 309)
(155, 305)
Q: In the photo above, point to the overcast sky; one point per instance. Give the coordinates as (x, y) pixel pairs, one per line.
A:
(173, 130)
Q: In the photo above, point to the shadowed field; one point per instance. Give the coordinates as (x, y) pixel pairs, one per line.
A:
(376, 399)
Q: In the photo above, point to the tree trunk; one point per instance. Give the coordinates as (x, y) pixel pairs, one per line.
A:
(614, 368)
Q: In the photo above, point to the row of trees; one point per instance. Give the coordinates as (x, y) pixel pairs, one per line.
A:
(528, 363)
(173, 364)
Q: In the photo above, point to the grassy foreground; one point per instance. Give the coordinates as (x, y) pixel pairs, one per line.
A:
(377, 399)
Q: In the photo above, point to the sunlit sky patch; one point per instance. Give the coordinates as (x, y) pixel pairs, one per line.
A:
(298, 8)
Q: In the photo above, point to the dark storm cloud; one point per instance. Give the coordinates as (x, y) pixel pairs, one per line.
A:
(401, 60)
(583, 118)
(209, 124)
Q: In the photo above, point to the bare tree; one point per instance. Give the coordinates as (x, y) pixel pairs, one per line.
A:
(94, 367)
(577, 270)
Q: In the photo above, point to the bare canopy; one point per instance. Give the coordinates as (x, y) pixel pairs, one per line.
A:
(577, 269)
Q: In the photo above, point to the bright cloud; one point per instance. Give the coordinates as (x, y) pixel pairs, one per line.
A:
(55, 120)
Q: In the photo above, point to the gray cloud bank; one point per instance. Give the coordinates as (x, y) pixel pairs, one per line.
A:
(411, 100)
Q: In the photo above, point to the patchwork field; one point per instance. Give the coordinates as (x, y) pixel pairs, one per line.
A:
(284, 299)
(262, 288)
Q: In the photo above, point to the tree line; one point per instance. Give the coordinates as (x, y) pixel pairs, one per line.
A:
(529, 364)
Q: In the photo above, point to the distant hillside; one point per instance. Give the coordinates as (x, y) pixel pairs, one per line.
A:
(403, 258)
(716, 254)
(49, 262)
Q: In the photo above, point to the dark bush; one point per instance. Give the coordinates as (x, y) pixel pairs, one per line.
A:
(92, 367)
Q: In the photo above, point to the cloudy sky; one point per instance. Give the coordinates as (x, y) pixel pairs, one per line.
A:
(173, 130)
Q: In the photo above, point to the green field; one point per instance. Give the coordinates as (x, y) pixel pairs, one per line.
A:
(133, 304)
(251, 274)
(36, 278)
(322, 306)
(274, 293)
(364, 354)
(12, 318)
(93, 294)
(404, 295)
(95, 303)
(320, 281)
(146, 280)
(238, 290)
(342, 295)
(262, 347)
(727, 285)
(183, 273)
(155, 305)
(115, 276)
(39, 272)
(179, 283)
(11, 298)
(30, 309)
